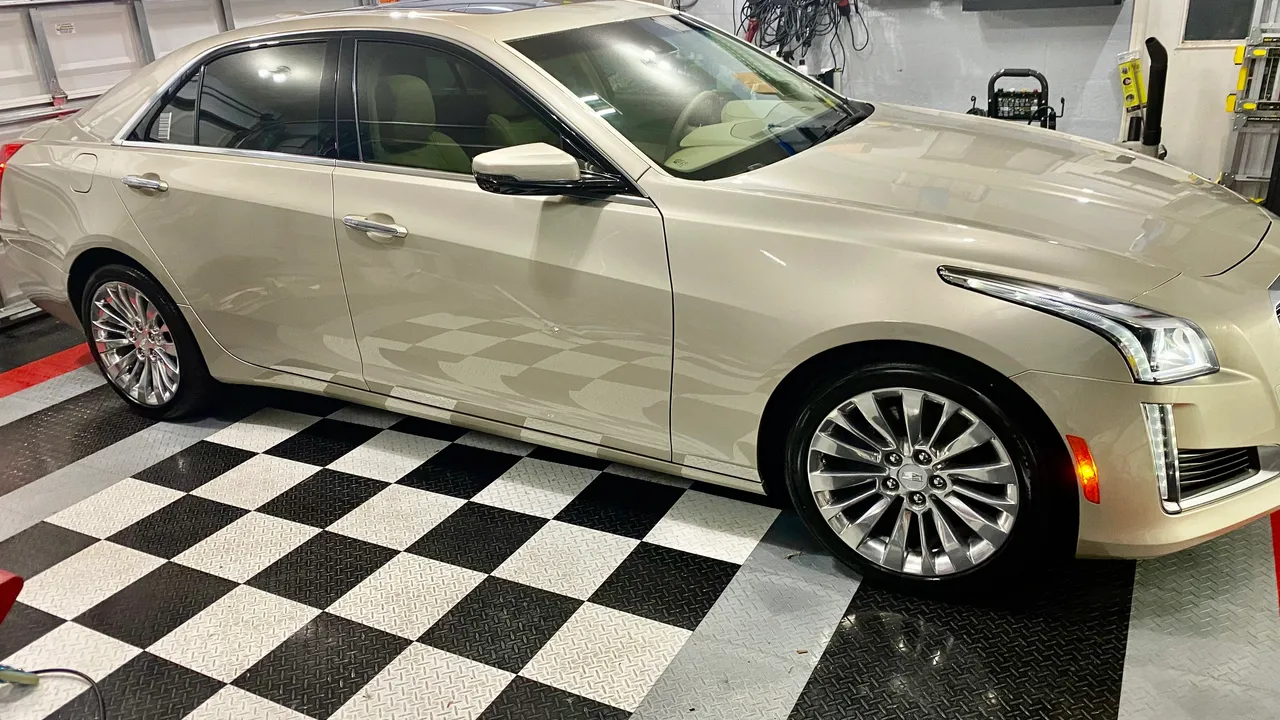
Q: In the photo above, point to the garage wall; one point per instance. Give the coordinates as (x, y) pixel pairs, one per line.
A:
(929, 53)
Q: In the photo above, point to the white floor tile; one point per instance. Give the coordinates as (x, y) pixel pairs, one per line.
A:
(263, 430)
(87, 578)
(389, 456)
(397, 516)
(607, 655)
(229, 636)
(246, 547)
(407, 595)
(232, 703)
(714, 526)
(251, 484)
(115, 508)
(424, 682)
(70, 646)
(567, 559)
(537, 487)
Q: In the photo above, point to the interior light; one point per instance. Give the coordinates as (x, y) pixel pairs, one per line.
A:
(1086, 469)
(264, 73)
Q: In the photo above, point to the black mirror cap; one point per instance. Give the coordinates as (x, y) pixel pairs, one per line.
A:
(591, 188)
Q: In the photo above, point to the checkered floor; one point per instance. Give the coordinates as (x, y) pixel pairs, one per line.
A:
(366, 565)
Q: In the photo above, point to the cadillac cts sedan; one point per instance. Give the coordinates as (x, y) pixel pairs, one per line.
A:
(960, 347)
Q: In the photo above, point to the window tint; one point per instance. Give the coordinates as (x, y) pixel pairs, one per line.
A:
(1218, 19)
(175, 120)
(267, 99)
(418, 107)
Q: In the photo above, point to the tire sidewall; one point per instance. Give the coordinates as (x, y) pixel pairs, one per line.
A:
(1009, 558)
(194, 379)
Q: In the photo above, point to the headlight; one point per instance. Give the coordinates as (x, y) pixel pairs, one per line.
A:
(1159, 348)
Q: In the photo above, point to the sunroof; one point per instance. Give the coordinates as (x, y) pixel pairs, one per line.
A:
(481, 6)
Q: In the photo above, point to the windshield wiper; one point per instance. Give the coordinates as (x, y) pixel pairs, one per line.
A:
(849, 120)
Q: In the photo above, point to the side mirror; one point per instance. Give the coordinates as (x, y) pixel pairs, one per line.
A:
(539, 169)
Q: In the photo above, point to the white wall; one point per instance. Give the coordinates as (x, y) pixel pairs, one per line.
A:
(1201, 75)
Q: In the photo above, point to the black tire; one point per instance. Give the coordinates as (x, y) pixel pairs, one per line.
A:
(196, 387)
(1044, 530)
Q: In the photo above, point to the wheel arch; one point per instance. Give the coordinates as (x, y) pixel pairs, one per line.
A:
(91, 257)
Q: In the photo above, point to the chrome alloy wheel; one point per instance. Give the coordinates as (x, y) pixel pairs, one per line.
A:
(913, 482)
(134, 344)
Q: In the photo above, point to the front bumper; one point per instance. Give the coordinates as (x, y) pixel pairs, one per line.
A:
(1224, 410)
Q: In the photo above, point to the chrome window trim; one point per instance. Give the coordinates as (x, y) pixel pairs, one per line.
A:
(231, 152)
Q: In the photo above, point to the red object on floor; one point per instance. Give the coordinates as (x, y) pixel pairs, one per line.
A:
(34, 373)
(10, 586)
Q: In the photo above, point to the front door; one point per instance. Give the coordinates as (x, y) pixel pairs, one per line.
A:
(549, 313)
(229, 183)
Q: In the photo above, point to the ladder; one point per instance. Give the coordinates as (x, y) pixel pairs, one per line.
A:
(1255, 129)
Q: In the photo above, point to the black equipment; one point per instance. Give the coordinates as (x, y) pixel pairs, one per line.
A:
(1028, 105)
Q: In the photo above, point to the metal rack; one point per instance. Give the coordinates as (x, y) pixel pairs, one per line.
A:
(1255, 130)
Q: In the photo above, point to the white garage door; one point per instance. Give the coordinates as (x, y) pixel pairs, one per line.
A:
(252, 12)
(175, 23)
(20, 82)
(93, 46)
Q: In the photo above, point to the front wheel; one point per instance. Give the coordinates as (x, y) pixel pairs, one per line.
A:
(142, 344)
(917, 479)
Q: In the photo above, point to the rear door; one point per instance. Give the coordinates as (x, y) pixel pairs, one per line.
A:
(244, 150)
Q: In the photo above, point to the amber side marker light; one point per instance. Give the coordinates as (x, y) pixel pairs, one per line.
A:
(1086, 468)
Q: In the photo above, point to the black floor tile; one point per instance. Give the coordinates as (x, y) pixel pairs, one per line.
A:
(621, 505)
(564, 457)
(460, 471)
(23, 626)
(478, 537)
(1052, 650)
(61, 434)
(195, 466)
(524, 699)
(501, 623)
(322, 569)
(324, 441)
(145, 688)
(323, 498)
(667, 585)
(35, 339)
(155, 604)
(177, 526)
(39, 548)
(429, 428)
(322, 665)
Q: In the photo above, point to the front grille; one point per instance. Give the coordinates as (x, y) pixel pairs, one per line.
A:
(1200, 471)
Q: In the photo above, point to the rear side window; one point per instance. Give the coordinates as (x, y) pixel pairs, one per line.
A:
(273, 99)
(266, 99)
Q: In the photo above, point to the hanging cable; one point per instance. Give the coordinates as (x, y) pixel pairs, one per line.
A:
(791, 27)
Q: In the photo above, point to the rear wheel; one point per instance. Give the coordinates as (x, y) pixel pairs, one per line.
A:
(921, 480)
(142, 344)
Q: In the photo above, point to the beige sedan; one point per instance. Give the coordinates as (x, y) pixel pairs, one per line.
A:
(960, 347)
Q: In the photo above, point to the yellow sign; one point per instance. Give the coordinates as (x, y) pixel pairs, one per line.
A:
(1135, 91)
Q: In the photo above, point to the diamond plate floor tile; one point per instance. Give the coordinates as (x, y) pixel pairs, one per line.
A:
(525, 699)
(567, 559)
(407, 595)
(397, 516)
(1163, 693)
(607, 655)
(460, 471)
(70, 645)
(714, 526)
(48, 393)
(194, 466)
(477, 537)
(322, 569)
(323, 498)
(146, 688)
(620, 505)
(115, 508)
(232, 703)
(177, 526)
(324, 442)
(667, 585)
(263, 429)
(154, 604)
(389, 456)
(39, 548)
(429, 683)
(256, 481)
(87, 578)
(300, 673)
(246, 547)
(536, 487)
(24, 625)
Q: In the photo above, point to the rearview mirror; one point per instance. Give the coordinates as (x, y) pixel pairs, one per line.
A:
(539, 169)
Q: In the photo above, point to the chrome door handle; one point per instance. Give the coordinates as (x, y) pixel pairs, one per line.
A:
(144, 183)
(375, 229)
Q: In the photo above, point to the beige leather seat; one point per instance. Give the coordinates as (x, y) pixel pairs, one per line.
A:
(403, 127)
(510, 123)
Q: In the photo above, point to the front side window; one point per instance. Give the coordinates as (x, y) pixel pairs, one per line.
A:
(269, 99)
(692, 99)
(422, 108)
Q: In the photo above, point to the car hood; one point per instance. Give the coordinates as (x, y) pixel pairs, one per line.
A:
(1041, 185)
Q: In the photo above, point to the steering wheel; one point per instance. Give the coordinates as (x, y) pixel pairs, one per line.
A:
(709, 102)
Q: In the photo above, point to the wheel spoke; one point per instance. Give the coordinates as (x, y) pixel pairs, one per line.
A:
(998, 473)
(828, 480)
(840, 419)
(927, 565)
(976, 435)
(109, 313)
(957, 554)
(912, 406)
(830, 445)
(112, 343)
(117, 295)
(895, 552)
(948, 409)
(833, 509)
(870, 410)
(1003, 504)
(857, 530)
(985, 529)
(118, 310)
(105, 328)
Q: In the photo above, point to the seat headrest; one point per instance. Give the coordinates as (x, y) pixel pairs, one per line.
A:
(503, 104)
(405, 111)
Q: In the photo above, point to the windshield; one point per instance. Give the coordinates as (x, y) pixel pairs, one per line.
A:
(696, 101)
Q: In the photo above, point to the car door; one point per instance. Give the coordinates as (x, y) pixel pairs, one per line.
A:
(230, 180)
(551, 313)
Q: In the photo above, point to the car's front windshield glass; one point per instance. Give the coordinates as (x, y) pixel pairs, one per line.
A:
(694, 100)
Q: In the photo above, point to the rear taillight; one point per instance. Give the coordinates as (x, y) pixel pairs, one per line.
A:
(6, 152)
